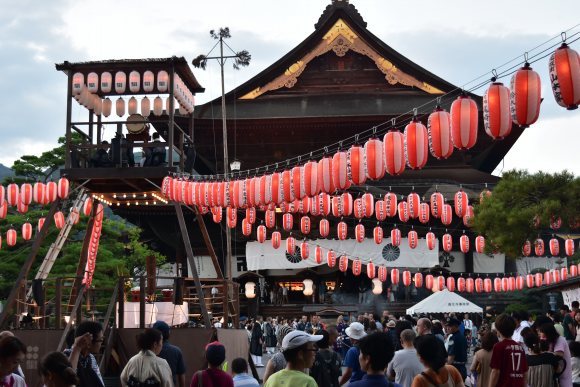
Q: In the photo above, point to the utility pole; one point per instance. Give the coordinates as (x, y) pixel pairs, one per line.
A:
(241, 58)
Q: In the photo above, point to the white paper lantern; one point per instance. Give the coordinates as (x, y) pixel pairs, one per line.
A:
(106, 82)
(162, 81)
(182, 110)
(132, 105)
(78, 83)
(308, 287)
(85, 95)
(97, 104)
(377, 286)
(157, 106)
(107, 106)
(148, 81)
(93, 82)
(145, 107)
(120, 82)
(134, 81)
(89, 101)
(120, 107)
(250, 289)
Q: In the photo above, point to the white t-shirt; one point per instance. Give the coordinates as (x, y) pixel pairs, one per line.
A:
(517, 336)
(468, 324)
(406, 366)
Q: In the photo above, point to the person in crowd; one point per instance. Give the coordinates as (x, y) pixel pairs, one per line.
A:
(405, 364)
(508, 360)
(12, 353)
(299, 351)
(392, 332)
(270, 336)
(438, 328)
(456, 346)
(304, 325)
(56, 371)
(353, 371)
(400, 326)
(327, 367)
(213, 376)
(172, 354)
(257, 342)
(88, 340)
(284, 295)
(521, 319)
(240, 374)
(376, 351)
(277, 362)
(146, 367)
(542, 365)
(575, 362)
(480, 366)
(577, 326)
(316, 325)
(558, 345)
(433, 355)
(18, 371)
(101, 158)
(467, 323)
(568, 323)
(425, 327)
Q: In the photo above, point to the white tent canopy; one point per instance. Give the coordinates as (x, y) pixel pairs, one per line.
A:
(444, 301)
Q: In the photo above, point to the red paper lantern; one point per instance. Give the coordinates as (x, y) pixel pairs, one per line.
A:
(40, 224)
(296, 182)
(573, 270)
(343, 263)
(383, 272)
(309, 179)
(487, 286)
(378, 235)
(418, 280)
(26, 194)
(530, 281)
(323, 204)
(37, 193)
(358, 208)
(246, 227)
(340, 178)
(368, 204)
(403, 210)
(439, 283)
(484, 195)
(59, 220)
(565, 77)
(394, 276)
(539, 247)
(506, 284)
(356, 165)
(324, 228)
(261, 233)
(290, 245)
(413, 239)
(26, 231)
(270, 219)
(527, 248)
(460, 284)
(21, 207)
(359, 232)
(341, 230)
(347, 203)
(555, 223)
(416, 145)
(304, 250)
(437, 202)
(429, 281)
(63, 187)
(451, 284)
(439, 129)
(331, 258)
(318, 255)
(251, 215)
(431, 240)
(406, 278)
(447, 243)
(395, 237)
(538, 279)
(461, 203)
(305, 225)
(464, 122)
(554, 247)
(287, 222)
(11, 237)
(325, 171)
(556, 276)
(259, 191)
(526, 96)
(356, 266)
(375, 165)
(371, 271)
(394, 153)
(231, 217)
(287, 187)
(276, 186)
(446, 214)
(12, 194)
(547, 278)
(276, 239)
(468, 217)
(464, 244)
(51, 192)
(497, 117)
(478, 283)
(74, 216)
(424, 213)
(564, 273)
(337, 206)
(413, 201)
(380, 210)
(569, 247)
(391, 204)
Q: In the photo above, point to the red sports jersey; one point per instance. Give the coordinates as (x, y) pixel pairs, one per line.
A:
(510, 359)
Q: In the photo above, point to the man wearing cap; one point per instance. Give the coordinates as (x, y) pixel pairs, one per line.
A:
(213, 376)
(172, 354)
(353, 372)
(299, 350)
(456, 346)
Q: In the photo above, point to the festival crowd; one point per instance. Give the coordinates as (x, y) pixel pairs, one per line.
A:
(424, 351)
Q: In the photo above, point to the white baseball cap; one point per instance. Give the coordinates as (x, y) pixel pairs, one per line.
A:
(296, 339)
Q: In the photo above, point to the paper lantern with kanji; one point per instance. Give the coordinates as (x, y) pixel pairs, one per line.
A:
(487, 285)
(564, 68)
(418, 278)
(439, 130)
(539, 279)
(464, 244)
(337, 210)
(450, 284)
(461, 203)
(276, 189)
(527, 249)
(437, 201)
(378, 234)
(395, 237)
(261, 233)
(447, 243)
(325, 171)
(569, 247)
(573, 270)
(390, 204)
(287, 188)
(50, 192)
(564, 273)
(305, 225)
(26, 231)
(231, 217)
(406, 278)
(460, 284)
(430, 239)
(270, 218)
(424, 213)
(287, 222)
(429, 281)
(12, 194)
(530, 280)
(324, 228)
(447, 214)
(480, 244)
(403, 210)
(382, 273)
(478, 284)
(356, 165)
(59, 220)
(343, 263)
(413, 201)
(304, 250)
(497, 118)
(246, 227)
(309, 179)
(469, 217)
(318, 254)
(371, 270)
(554, 247)
(340, 178)
(296, 182)
(416, 145)
(394, 276)
(394, 153)
(368, 201)
(347, 203)
(341, 230)
(375, 165)
(358, 208)
(323, 204)
(359, 232)
(290, 245)
(464, 122)
(251, 215)
(26, 194)
(539, 247)
(380, 210)
(413, 239)
(331, 258)
(11, 237)
(276, 239)
(356, 266)
(525, 96)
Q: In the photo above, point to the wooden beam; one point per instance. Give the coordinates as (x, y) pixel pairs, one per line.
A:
(208, 244)
(25, 269)
(121, 302)
(194, 274)
(71, 321)
(142, 306)
(58, 303)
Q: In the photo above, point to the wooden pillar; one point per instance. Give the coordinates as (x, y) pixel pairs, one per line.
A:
(68, 140)
(171, 112)
(58, 303)
(142, 294)
(121, 302)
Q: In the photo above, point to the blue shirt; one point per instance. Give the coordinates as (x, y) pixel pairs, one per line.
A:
(245, 380)
(174, 358)
(373, 381)
(351, 361)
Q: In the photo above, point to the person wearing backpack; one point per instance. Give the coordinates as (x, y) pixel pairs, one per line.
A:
(327, 366)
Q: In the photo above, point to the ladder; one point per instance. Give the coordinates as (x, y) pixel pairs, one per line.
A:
(56, 247)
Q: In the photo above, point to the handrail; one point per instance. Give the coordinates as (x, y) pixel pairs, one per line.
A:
(71, 319)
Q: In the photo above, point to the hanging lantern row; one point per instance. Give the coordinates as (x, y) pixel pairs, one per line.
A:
(22, 196)
(539, 248)
(132, 106)
(93, 246)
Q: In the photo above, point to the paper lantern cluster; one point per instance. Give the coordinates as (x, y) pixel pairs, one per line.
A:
(21, 196)
(94, 245)
(539, 248)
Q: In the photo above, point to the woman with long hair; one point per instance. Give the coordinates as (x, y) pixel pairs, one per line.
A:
(433, 355)
(56, 371)
(558, 345)
(482, 359)
(146, 366)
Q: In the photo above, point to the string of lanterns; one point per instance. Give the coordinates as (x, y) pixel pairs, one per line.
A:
(93, 245)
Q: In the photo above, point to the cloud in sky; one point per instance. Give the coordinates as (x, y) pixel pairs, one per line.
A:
(456, 40)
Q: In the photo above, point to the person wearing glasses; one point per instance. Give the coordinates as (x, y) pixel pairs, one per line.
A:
(299, 350)
(88, 340)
